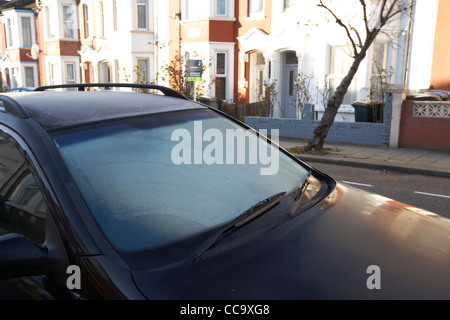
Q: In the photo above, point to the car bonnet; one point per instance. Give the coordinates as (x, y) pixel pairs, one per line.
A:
(352, 245)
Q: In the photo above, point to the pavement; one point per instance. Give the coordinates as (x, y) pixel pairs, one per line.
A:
(413, 161)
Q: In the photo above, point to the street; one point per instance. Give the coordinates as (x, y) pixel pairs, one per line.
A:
(425, 192)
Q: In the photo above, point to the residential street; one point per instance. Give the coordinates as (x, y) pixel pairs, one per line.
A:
(426, 192)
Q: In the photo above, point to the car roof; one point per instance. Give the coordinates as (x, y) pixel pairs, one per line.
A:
(60, 109)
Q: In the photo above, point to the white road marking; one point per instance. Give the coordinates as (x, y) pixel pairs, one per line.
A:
(359, 184)
(432, 194)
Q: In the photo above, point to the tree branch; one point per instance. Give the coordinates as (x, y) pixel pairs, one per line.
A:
(387, 12)
(366, 22)
(339, 22)
(357, 35)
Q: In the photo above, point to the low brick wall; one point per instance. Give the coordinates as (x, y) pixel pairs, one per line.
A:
(423, 131)
(363, 133)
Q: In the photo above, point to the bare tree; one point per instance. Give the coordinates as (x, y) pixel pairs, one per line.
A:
(360, 42)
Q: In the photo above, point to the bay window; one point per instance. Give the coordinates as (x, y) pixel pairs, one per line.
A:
(340, 63)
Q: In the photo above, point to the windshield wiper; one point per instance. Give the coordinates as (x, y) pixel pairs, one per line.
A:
(245, 217)
(298, 194)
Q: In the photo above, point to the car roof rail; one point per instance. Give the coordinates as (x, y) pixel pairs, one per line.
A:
(13, 107)
(81, 87)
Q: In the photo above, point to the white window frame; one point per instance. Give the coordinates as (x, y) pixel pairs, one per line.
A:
(68, 24)
(383, 64)
(289, 4)
(256, 14)
(87, 21)
(50, 14)
(145, 5)
(101, 11)
(11, 26)
(147, 69)
(15, 77)
(115, 16)
(103, 66)
(25, 76)
(221, 75)
(30, 31)
(225, 53)
(53, 76)
(66, 75)
(216, 8)
(339, 76)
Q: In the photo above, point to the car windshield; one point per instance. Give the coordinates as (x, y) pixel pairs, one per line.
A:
(153, 180)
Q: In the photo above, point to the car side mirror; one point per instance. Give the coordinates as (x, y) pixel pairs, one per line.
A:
(20, 257)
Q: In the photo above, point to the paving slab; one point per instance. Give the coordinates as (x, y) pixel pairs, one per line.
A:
(406, 160)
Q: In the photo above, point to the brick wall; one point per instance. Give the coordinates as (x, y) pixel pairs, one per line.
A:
(363, 133)
(440, 72)
(242, 26)
(423, 132)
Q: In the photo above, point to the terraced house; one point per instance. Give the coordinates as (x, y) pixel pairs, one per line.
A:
(247, 46)
(68, 41)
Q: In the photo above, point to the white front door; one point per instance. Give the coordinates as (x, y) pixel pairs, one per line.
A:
(257, 77)
(288, 90)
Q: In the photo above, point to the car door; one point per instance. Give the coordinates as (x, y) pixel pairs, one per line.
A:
(25, 211)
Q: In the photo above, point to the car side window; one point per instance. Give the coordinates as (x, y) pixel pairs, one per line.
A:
(22, 207)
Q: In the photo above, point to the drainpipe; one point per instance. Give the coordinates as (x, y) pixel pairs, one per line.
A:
(156, 40)
(408, 43)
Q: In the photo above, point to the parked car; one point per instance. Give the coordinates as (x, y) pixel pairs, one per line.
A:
(122, 195)
(21, 89)
(424, 97)
(443, 95)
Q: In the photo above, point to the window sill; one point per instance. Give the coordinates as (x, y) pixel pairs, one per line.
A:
(208, 19)
(256, 17)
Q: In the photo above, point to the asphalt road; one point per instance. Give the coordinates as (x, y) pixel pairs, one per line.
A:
(426, 192)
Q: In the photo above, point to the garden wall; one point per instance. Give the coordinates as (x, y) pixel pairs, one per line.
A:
(364, 133)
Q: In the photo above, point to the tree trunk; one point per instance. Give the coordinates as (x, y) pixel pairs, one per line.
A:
(321, 131)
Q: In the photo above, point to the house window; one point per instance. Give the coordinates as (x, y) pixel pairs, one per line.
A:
(196, 10)
(221, 7)
(141, 9)
(340, 63)
(15, 77)
(256, 8)
(50, 18)
(117, 70)
(104, 72)
(70, 72)
(29, 77)
(102, 18)
(87, 22)
(10, 24)
(26, 32)
(68, 22)
(221, 75)
(379, 56)
(114, 7)
(380, 73)
(142, 74)
(53, 73)
(289, 4)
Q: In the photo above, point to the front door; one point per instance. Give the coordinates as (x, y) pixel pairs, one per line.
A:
(257, 77)
(289, 75)
(288, 87)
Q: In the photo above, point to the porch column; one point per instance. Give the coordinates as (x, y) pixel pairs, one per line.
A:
(270, 65)
(243, 57)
